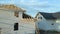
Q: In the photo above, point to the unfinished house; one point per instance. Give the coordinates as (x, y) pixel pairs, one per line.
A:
(14, 20)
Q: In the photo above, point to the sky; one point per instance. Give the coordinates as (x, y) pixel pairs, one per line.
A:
(32, 7)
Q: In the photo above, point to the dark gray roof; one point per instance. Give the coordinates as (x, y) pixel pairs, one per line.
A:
(50, 15)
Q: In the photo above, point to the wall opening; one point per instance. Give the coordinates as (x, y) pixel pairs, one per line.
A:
(16, 14)
(15, 26)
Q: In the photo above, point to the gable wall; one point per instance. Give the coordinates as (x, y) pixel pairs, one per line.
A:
(7, 20)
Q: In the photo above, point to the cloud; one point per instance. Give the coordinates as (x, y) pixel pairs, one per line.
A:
(28, 0)
(33, 3)
(6, 1)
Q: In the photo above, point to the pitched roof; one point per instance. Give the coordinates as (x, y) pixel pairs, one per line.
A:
(50, 15)
(26, 16)
(56, 15)
(11, 7)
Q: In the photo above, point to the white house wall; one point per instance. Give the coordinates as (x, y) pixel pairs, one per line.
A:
(20, 15)
(47, 25)
(7, 20)
(6, 13)
(56, 25)
(39, 23)
(27, 28)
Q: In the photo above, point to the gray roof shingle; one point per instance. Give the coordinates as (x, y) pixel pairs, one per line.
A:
(50, 15)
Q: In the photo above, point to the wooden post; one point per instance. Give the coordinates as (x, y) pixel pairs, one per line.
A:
(37, 30)
(0, 30)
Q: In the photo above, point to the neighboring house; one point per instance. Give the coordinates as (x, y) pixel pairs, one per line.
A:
(14, 20)
(48, 21)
